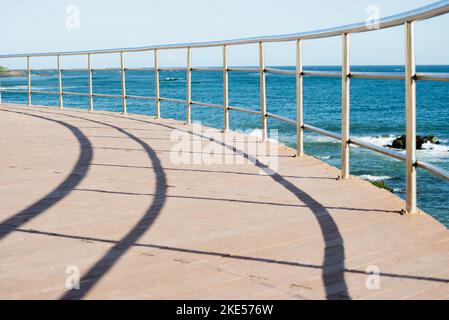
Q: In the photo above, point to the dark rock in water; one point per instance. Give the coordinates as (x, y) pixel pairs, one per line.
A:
(399, 142)
(431, 139)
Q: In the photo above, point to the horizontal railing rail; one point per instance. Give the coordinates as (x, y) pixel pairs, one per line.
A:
(323, 132)
(385, 151)
(204, 104)
(410, 76)
(75, 93)
(426, 12)
(378, 75)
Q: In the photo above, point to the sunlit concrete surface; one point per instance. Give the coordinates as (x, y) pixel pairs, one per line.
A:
(97, 192)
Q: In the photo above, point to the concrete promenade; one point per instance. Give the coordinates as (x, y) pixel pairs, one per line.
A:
(98, 192)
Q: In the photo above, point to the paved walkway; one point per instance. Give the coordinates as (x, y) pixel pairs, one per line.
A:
(99, 192)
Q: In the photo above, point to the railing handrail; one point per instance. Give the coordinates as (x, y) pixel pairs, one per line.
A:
(422, 13)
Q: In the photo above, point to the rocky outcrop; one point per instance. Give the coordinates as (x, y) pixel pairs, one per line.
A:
(399, 142)
(382, 185)
(11, 73)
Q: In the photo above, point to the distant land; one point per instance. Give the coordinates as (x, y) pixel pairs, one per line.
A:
(5, 72)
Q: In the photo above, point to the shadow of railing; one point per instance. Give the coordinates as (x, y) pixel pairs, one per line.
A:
(101, 267)
(105, 263)
(334, 253)
(233, 256)
(210, 171)
(264, 203)
(78, 172)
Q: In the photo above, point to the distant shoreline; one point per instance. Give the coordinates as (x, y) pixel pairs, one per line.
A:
(11, 73)
(21, 72)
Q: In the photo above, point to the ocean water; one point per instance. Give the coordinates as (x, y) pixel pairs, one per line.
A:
(377, 113)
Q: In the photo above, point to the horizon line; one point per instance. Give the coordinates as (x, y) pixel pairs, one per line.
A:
(233, 66)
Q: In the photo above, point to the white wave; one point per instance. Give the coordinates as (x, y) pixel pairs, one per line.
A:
(381, 141)
(24, 88)
(15, 87)
(374, 178)
(171, 79)
(43, 89)
(257, 133)
(436, 147)
(430, 151)
(316, 138)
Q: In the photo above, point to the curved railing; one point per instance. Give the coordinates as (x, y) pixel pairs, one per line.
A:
(410, 77)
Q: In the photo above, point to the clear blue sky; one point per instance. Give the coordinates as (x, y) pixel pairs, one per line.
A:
(40, 26)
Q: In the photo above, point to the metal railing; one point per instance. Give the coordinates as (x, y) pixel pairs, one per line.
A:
(410, 77)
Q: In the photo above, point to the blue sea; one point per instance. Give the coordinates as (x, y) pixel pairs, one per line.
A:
(377, 113)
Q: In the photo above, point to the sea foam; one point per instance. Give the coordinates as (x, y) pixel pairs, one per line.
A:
(374, 178)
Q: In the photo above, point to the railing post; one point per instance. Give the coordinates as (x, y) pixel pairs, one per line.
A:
(225, 89)
(299, 101)
(189, 87)
(345, 74)
(263, 103)
(89, 77)
(29, 80)
(156, 81)
(58, 58)
(410, 112)
(122, 65)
